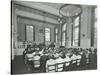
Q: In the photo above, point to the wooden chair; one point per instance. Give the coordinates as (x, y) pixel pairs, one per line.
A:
(60, 67)
(87, 63)
(73, 65)
(67, 66)
(36, 66)
(78, 62)
(51, 68)
(28, 58)
(36, 63)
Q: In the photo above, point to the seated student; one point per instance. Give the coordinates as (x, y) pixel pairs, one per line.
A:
(67, 60)
(37, 49)
(41, 52)
(83, 59)
(62, 48)
(73, 61)
(51, 61)
(60, 60)
(92, 58)
(41, 46)
(73, 58)
(78, 57)
(29, 52)
(62, 53)
(43, 60)
(87, 56)
(81, 52)
(32, 48)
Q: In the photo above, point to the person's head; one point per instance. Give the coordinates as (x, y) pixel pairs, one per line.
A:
(62, 47)
(52, 46)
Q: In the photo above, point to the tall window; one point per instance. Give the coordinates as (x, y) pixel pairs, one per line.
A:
(64, 35)
(29, 33)
(56, 35)
(76, 31)
(47, 34)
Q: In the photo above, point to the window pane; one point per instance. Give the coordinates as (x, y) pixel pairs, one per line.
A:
(29, 30)
(76, 32)
(63, 39)
(75, 43)
(76, 21)
(64, 27)
(63, 43)
(63, 36)
(47, 34)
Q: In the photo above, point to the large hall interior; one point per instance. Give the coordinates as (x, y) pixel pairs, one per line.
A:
(52, 37)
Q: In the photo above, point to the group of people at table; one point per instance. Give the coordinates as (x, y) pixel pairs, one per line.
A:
(52, 58)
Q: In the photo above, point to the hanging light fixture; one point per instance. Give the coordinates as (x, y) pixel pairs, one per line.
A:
(70, 10)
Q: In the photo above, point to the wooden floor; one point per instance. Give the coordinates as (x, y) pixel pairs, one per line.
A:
(18, 67)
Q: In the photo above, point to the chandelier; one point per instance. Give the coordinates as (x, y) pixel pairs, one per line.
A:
(69, 11)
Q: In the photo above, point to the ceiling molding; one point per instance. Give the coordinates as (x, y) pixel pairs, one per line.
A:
(36, 21)
(37, 17)
(39, 7)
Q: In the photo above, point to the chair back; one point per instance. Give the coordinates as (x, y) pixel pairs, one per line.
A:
(59, 67)
(36, 63)
(78, 62)
(51, 68)
(67, 63)
(74, 61)
(87, 60)
(29, 57)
